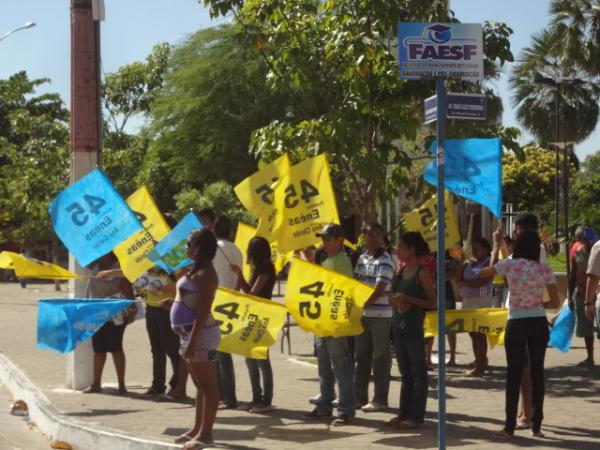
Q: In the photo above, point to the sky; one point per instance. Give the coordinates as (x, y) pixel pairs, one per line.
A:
(133, 27)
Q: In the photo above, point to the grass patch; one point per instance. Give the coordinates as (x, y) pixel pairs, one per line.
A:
(558, 262)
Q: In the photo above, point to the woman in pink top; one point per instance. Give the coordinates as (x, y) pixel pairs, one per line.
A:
(527, 326)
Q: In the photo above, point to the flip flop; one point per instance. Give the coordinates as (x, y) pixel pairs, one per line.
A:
(183, 439)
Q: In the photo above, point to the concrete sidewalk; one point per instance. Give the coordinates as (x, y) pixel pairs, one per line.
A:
(475, 406)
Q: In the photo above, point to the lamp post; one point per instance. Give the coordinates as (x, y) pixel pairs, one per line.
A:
(556, 83)
(22, 27)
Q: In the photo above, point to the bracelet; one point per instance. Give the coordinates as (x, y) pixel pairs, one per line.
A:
(588, 304)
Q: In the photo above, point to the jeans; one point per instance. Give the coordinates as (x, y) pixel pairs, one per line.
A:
(226, 378)
(529, 334)
(410, 353)
(373, 351)
(336, 362)
(163, 342)
(256, 367)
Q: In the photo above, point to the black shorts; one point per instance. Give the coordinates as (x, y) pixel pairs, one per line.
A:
(109, 338)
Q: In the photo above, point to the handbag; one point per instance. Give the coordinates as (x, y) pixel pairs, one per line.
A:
(130, 314)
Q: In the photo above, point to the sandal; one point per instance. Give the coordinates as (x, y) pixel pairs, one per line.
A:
(196, 444)
(93, 389)
(183, 439)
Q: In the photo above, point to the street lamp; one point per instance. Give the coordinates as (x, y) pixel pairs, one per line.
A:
(22, 27)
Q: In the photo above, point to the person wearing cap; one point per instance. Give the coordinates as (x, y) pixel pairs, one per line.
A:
(335, 361)
(372, 346)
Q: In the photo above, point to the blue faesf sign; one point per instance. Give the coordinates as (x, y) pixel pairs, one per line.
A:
(458, 106)
(446, 50)
(90, 217)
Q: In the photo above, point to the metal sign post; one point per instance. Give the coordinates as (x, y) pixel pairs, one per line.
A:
(441, 260)
(440, 51)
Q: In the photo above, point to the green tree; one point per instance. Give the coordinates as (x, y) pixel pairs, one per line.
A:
(529, 184)
(215, 95)
(333, 60)
(543, 76)
(33, 158)
(219, 196)
(585, 193)
(577, 22)
(128, 94)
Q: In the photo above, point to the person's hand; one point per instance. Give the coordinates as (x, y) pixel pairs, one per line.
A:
(188, 353)
(589, 311)
(498, 236)
(236, 269)
(104, 274)
(166, 303)
(400, 301)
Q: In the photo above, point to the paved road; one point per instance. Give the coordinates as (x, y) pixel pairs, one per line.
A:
(15, 432)
(475, 406)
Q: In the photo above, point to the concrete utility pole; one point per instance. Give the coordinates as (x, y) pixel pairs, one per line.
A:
(86, 144)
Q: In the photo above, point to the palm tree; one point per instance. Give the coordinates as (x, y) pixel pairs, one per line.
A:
(577, 22)
(549, 91)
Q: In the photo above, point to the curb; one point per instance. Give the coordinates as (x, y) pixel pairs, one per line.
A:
(59, 427)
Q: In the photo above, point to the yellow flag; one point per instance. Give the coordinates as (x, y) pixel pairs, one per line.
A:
(132, 252)
(256, 191)
(26, 267)
(304, 203)
(490, 321)
(424, 220)
(325, 302)
(243, 236)
(249, 325)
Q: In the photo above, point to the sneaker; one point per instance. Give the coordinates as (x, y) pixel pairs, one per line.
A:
(316, 400)
(318, 413)
(342, 419)
(261, 408)
(335, 403)
(374, 407)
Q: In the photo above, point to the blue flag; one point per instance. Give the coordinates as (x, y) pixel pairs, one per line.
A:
(170, 254)
(63, 323)
(91, 218)
(473, 171)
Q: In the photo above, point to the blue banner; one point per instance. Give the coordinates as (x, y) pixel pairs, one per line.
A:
(170, 254)
(561, 332)
(473, 170)
(63, 323)
(91, 218)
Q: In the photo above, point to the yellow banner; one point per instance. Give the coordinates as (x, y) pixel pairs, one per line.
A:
(249, 325)
(424, 220)
(26, 267)
(490, 321)
(243, 236)
(154, 286)
(256, 192)
(325, 302)
(304, 203)
(132, 252)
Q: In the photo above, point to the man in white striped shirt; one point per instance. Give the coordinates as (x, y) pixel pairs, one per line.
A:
(372, 346)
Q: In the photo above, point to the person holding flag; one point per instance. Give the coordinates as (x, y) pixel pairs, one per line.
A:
(334, 357)
(261, 285)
